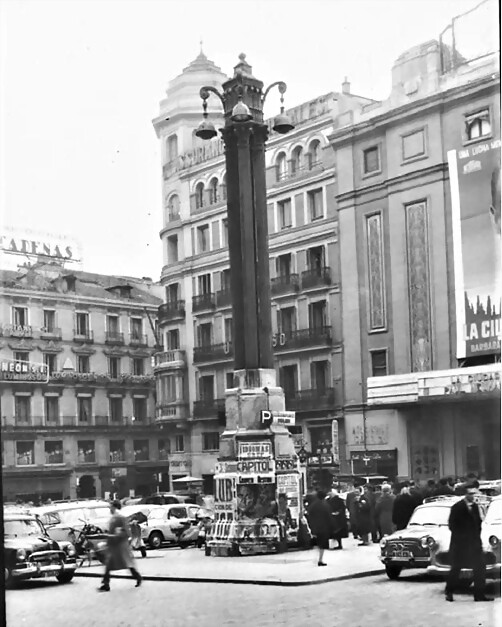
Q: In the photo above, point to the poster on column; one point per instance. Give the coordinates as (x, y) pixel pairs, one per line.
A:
(475, 192)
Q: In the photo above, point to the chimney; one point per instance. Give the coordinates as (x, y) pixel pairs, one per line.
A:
(345, 86)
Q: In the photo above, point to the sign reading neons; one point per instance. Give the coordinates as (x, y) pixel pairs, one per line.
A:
(11, 370)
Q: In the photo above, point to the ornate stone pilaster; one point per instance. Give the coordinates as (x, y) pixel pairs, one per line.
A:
(376, 273)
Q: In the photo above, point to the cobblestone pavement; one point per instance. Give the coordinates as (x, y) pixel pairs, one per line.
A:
(412, 601)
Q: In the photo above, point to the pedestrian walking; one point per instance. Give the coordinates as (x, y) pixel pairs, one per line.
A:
(363, 517)
(466, 550)
(404, 504)
(351, 504)
(137, 543)
(320, 521)
(370, 493)
(119, 553)
(383, 511)
(339, 518)
(443, 488)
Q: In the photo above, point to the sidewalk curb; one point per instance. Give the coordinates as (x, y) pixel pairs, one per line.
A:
(254, 582)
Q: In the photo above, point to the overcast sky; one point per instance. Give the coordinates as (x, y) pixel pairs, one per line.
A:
(81, 81)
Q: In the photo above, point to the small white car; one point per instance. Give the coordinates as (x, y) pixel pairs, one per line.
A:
(166, 522)
(491, 537)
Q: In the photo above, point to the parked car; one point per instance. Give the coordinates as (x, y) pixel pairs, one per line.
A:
(490, 537)
(29, 553)
(426, 535)
(62, 519)
(166, 523)
(165, 498)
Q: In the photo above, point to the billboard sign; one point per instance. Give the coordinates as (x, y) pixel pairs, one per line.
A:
(475, 191)
(12, 370)
(255, 450)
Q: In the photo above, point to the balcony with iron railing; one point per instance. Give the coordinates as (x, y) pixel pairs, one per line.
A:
(284, 284)
(114, 337)
(306, 169)
(171, 412)
(83, 335)
(78, 422)
(224, 298)
(213, 352)
(168, 360)
(53, 333)
(172, 310)
(303, 338)
(310, 399)
(316, 277)
(209, 408)
(138, 339)
(203, 302)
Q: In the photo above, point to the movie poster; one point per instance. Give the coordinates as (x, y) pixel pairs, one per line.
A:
(475, 191)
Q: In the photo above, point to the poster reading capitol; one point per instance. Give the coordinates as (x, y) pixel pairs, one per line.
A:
(475, 191)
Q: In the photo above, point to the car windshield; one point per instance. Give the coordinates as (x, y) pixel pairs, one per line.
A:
(430, 516)
(98, 512)
(494, 514)
(72, 516)
(22, 527)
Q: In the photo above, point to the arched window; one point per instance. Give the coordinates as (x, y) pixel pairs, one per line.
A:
(213, 191)
(297, 159)
(199, 195)
(315, 152)
(281, 167)
(173, 207)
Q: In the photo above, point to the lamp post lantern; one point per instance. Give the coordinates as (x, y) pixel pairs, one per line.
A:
(254, 387)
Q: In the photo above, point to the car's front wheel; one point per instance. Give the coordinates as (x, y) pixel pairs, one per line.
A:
(65, 577)
(392, 571)
(155, 540)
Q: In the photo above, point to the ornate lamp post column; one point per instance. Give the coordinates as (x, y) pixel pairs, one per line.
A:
(254, 387)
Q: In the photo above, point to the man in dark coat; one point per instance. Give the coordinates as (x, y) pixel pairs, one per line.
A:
(351, 506)
(363, 517)
(320, 521)
(383, 511)
(442, 488)
(404, 505)
(339, 516)
(466, 550)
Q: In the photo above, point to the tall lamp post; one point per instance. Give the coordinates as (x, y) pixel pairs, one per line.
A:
(254, 387)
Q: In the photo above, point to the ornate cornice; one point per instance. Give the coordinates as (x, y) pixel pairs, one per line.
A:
(83, 350)
(50, 346)
(21, 345)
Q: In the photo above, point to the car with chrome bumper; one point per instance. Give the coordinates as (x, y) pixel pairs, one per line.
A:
(29, 553)
(491, 536)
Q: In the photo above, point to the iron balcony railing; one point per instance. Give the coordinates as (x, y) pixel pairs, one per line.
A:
(213, 352)
(203, 302)
(114, 337)
(310, 399)
(301, 338)
(284, 284)
(173, 358)
(83, 335)
(54, 333)
(138, 339)
(171, 310)
(316, 277)
(167, 412)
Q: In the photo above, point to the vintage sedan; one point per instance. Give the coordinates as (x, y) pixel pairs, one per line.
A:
(166, 522)
(490, 539)
(29, 553)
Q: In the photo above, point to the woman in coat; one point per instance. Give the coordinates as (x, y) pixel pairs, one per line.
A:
(339, 516)
(383, 511)
(119, 550)
(320, 521)
(363, 518)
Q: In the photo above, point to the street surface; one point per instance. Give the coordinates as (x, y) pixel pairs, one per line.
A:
(413, 601)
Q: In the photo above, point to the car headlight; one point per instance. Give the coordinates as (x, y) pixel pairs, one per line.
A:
(21, 554)
(383, 542)
(494, 541)
(427, 541)
(70, 550)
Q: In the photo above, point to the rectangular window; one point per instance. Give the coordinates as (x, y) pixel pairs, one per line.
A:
(203, 238)
(286, 320)
(84, 409)
(164, 449)
(138, 366)
(319, 371)
(51, 409)
(49, 320)
(112, 324)
(114, 367)
(136, 328)
(225, 280)
(285, 213)
(413, 144)
(172, 249)
(317, 315)
(288, 378)
(54, 452)
(25, 453)
(139, 409)
(116, 408)
(82, 324)
(315, 258)
(229, 380)
(315, 204)
(83, 363)
(173, 339)
(210, 441)
(371, 160)
(20, 316)
(179, 444)
(117, 451)
(22, 408)
(379, 363)
(141, 450)
(206, 388)
(478, 125)
(204, 284)
(228, 326)
(283, 265)
(205, 334)
(86, 452)
(50, 361)
(225, 233)
(21, 356)
(172, 292)
(167, 389)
